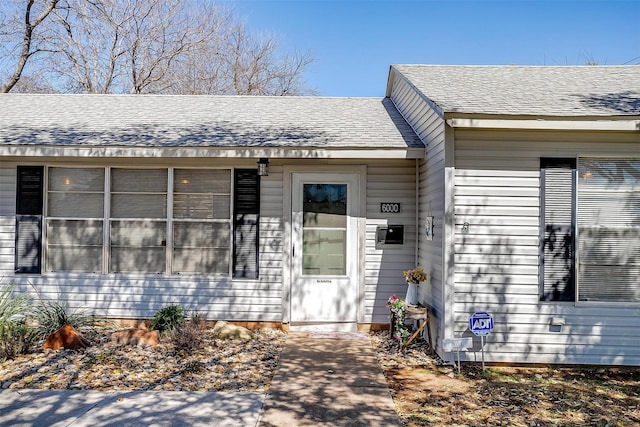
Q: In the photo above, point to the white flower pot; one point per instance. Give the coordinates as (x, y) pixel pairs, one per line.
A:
(412, 294)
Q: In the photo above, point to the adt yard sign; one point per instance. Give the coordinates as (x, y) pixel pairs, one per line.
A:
(481, 323)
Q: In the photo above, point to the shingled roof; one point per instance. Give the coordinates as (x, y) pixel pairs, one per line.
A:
(203, 121)
(552, 91)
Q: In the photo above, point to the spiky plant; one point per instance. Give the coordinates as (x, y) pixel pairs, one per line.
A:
(52, 315)
(16, 336)
(12, 307)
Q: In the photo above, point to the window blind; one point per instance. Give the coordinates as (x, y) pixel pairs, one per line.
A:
(609, 229)
(201, 247)
(74, 225)
(138, 246)
(139, 193)
(29, 197)
(557, 227)
(74, 245)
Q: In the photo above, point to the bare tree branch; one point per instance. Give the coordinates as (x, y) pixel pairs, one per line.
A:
(152, 46)
(256, 67)
(92, 44)
(26, 51)
(166, 37)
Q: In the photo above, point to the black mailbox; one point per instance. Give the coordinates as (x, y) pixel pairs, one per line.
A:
(390, 235)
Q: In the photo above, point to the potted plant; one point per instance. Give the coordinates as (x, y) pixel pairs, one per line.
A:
(413, 278)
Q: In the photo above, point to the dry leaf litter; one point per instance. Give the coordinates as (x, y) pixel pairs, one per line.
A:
(215, 365)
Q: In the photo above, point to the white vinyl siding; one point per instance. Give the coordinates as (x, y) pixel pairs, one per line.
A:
(388, 181)
(271, 262)
(431, 197)
(141, 296)
(7, 218)
(497, 192)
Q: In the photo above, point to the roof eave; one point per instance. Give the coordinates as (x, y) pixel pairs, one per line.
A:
(589, 123)
(211, 152)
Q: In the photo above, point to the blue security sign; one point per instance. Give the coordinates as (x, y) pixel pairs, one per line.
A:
(481, 323)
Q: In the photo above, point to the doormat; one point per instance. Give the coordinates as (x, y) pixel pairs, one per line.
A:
(339, 335)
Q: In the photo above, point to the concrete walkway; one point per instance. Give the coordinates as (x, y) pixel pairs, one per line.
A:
(329, 379)
(57, 408)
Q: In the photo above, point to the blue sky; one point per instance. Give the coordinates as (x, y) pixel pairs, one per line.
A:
(354, 41)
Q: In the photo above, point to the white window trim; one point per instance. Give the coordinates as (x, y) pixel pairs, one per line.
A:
(107, 219)
(578, 302)
(46, 217)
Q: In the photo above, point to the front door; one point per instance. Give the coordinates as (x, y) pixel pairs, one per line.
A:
(324, 289)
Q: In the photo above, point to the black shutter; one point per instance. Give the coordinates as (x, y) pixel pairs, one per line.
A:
(29, 191)
(557, 229)
(246, 221)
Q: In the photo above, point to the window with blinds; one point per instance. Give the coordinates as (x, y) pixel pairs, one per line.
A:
(132, 220)
(138, 220)
(74, 224)
(557, 257)
(201, 221)
(609, 229)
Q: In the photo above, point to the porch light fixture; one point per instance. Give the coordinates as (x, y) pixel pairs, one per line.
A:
(263, 167)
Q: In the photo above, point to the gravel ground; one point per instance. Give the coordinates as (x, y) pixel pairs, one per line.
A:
(215, 365)
(389, 355)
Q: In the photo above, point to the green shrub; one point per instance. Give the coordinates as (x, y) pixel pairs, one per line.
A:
(168, 318)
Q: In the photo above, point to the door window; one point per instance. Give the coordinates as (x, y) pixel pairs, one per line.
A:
(324, 229)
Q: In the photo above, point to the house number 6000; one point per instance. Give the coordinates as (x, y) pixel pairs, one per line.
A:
(389, 207)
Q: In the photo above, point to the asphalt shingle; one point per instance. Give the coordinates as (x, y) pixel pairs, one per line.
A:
(202, 121)
(574, 91)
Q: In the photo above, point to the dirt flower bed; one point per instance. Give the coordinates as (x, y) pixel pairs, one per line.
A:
(425, 390)
(216, 365)
(428, 393)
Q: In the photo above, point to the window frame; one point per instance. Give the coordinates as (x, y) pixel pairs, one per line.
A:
(132, 219)
(107, 219)
(172, 220)
(576, 194)
(47, 217)
(579, 300)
